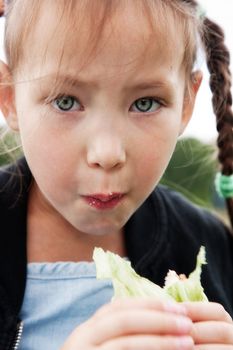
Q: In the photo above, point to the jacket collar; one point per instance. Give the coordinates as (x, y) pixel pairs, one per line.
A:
(14, 183)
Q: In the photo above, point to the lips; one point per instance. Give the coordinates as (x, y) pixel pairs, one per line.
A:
(104, 201)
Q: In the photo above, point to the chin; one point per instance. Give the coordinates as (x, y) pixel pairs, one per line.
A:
(102, 229)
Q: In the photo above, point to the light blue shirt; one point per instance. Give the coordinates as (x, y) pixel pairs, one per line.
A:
(58, 297)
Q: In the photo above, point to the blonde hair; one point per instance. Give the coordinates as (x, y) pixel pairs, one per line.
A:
(100, 12)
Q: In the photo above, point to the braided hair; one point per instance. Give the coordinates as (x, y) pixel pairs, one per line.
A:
(218, 63)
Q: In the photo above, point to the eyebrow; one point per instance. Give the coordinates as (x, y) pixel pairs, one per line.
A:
(65, 79)
(148, 84)
(69, 80)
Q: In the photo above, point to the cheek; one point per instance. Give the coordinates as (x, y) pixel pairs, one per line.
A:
(50, 159)
(153, 158)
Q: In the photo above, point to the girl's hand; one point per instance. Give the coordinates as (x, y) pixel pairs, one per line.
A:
(212, 326)
(134, 324)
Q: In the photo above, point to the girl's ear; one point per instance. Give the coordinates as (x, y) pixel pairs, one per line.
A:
(7, 97)
(190, 98)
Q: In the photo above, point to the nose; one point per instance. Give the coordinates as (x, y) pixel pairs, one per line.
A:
(107, 151)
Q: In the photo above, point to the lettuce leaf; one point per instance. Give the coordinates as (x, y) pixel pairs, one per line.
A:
(127, 283)
(182, 288)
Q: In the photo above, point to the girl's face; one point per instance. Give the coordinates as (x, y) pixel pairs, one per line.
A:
(99, 145)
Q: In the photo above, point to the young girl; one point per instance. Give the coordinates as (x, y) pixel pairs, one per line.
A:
(99, 91)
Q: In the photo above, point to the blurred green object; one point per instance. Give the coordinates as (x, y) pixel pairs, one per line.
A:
(192, 170)
(10, 149)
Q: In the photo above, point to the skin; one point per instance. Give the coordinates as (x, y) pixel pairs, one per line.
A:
(105, 144)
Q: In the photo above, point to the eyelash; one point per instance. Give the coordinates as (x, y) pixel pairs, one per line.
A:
(74, 101)
(63, 97)
(152, 100)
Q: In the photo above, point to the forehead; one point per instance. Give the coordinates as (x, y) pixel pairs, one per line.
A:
(121, 36)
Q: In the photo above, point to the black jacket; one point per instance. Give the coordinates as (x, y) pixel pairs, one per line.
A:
(165, 233)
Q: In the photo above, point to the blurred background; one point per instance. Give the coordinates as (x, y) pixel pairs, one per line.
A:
(193, 166)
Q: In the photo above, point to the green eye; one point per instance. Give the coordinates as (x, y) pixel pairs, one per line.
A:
(146, 104)
(66, 103)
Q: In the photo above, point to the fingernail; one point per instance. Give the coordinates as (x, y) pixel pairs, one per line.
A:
(185, 343)
(175, 307)
(184, 324)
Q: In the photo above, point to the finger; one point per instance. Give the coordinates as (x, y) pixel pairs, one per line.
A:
(213, 347)
(149, 343)
(146, 322)
(213, 332)
(204, 311)
(140, 303)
